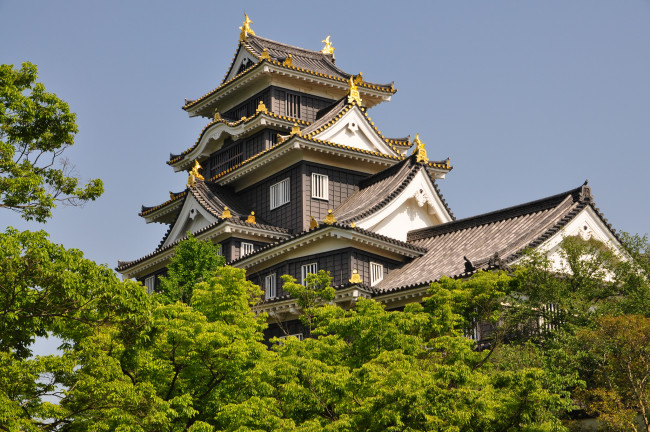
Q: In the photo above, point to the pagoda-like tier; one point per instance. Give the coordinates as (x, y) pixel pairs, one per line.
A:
(259, 63)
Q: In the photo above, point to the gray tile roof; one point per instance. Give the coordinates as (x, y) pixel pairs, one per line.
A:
(380, 189)
(506, 232)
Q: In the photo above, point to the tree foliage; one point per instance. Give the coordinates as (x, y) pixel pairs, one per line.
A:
(36, 127)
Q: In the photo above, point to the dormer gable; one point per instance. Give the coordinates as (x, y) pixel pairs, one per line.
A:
(352, 128)
(243, 60)
(191, 218)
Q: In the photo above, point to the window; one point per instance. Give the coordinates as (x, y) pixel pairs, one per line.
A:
(319, 186)
(219, 249)
(150, 283)
(246, 248)
(280, 194)
(296, 335)
(376, 273)
(269, 286)
(293, 105)
(307, 269)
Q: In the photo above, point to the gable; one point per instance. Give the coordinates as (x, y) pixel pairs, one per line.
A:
(353, 130)
(243, 60)
(587, 225)
(417, 206)
(192, 217)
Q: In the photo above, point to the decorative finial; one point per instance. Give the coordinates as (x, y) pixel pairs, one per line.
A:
(328, 48)
(246, 29)
(261, 108)
(419, 150)
(194, 175)
(359, 78)
(280, 139)
(288, 61)
(353, 225)
(295, 130)
(171, 195)
(353, 96)
(313, 223)
(217, 116)
(225, 214)
(447, 163)
(356, 277)
(251, 218)
(329, 219)
(265, 55)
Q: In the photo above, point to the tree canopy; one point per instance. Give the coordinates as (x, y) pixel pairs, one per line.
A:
(36, 127)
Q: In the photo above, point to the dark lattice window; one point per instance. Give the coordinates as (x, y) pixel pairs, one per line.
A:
(293, 105)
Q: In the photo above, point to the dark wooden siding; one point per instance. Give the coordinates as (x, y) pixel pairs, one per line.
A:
(249, 106)
(360, 261)
(309, 105)
(235, 152)
(341, 184)
(286, 328)
(289, 215)
(236, 246)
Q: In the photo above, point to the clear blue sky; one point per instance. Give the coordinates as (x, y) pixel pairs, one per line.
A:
(528, 99)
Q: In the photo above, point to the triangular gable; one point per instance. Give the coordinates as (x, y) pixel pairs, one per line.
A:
(418, 205)
(192, 217)
(587, 225)
(352, 129)
(243, 60)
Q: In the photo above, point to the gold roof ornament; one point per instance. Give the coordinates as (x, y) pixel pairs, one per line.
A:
(217, 116)
(359, 78)
(447, 163)
(419, 150)
(329, 219)
(313, 223)
(261, 108)
(288, 61)
(225, 214)
(356, 277)
(280, 139)
(295, 130)
(194, 175)
(251, 218)
(265, 55)
(353, 96)
(246, 29)
(353, 225)
(328, 48)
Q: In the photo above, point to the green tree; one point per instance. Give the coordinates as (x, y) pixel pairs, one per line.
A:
(36, 127)
(193, 261)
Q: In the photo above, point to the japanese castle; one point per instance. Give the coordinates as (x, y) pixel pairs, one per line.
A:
(291, 176)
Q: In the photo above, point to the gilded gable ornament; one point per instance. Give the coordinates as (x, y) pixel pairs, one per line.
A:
(217, 116)
(261, 108)
(194, 175)
(288, 61)
(353, 96)
(265, 55)
(356, 277)
(328, 48)
(329, 219)
(313, 223)
(419, 150)
(295, 130)
(225, 214)
(359, 78)
(251, 218)
(246, 29)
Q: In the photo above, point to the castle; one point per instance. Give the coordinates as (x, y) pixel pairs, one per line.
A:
(291, 176)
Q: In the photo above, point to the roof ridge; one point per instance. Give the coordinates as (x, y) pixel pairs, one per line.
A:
(577, 194)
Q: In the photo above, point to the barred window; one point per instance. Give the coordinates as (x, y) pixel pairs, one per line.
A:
(376, 273)
(269, 286)
(319, 186)
(307, 269)
(246, 248)
(280, 194)
(150, 283)
(293, 105)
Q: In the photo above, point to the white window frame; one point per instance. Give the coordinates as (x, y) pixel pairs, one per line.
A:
(279, 194)
(246, 248)
(320, 186)
(376, 273)
(306, 269)
(297, 335)
(270, 286)
(150, 283)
